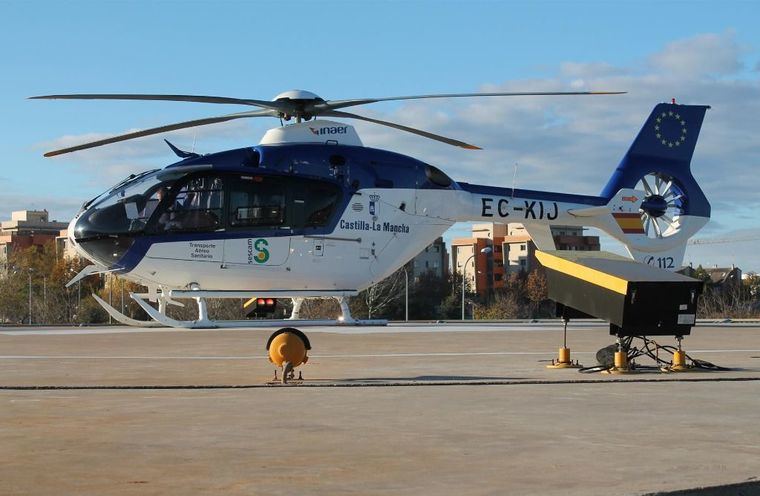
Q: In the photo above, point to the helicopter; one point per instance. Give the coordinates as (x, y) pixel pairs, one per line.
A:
(310, 212)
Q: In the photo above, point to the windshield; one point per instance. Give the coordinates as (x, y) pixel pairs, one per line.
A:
(127, 207)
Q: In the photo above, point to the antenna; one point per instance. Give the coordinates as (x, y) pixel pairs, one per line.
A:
(514, 181)
(195, 134)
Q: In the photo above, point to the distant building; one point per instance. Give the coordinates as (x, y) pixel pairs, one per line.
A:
(725, 276)
(63, 247)
(25, 229)
(433, 258)
(520, 251)
(467, 258)
(512, 252)
(720, 277)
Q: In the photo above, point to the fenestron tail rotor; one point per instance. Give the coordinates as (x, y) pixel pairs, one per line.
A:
(294, 104)
(663, 206)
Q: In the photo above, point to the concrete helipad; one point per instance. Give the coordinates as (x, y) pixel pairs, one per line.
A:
(405, 409)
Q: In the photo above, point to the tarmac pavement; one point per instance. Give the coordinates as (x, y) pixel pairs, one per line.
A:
(405, 409)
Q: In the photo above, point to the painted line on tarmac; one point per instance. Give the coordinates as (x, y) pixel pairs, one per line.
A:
(368, 384)
(93, 357)
(356, 355)
(257, 357)
(338, 329)
(392, 328)
(353, 355)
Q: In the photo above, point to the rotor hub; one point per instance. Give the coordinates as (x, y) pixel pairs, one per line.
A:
(663, 206)
(302, 103)
(297, 95)
(655, 205)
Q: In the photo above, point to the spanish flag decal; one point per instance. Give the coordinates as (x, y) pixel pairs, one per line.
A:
(629, 223)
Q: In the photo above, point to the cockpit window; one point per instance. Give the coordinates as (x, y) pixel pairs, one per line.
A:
(125, 210)
(206, 202)
(197, 206)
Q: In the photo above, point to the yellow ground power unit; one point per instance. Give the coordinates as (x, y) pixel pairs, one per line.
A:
(636, 299)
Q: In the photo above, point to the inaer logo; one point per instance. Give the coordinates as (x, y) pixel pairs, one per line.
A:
(329, 130)
(259, 246)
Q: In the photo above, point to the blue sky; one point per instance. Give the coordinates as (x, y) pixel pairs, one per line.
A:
(699, 52)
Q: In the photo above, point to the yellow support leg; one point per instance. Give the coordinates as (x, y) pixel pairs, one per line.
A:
(679, 361)
(622, 365)
(563, 360)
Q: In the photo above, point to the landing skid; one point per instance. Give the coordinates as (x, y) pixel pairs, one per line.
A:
(203, 322)
(120, 317)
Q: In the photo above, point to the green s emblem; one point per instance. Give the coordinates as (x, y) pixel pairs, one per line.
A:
(263, 254)
(259, 246)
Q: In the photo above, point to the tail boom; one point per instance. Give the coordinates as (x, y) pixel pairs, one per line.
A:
(652, 203)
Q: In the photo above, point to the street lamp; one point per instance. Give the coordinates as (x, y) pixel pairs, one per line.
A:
(44, 297)
(485, 250)
(79, 291)
(30, 295)
(110, 295)
(406, 295)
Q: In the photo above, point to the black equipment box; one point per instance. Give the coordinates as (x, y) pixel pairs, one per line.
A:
(636, 299)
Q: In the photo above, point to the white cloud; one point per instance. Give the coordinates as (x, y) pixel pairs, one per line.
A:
(147, 147)
(104, 165)
(582, 70)
(574, 143)
(706, 54)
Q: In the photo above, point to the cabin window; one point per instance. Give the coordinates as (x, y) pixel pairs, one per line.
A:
(314, 203)
(277, 202)
(257, 201)
(196, 206)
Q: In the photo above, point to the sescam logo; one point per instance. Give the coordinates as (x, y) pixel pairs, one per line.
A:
(258, 246)
(329, 130)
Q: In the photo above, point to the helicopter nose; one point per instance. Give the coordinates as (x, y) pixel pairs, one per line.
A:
(100, 246)
(72, 238)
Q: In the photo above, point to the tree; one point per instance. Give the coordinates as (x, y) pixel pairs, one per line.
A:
(536, 289)
(320, 308)
(701, 274)
(504, 305)
(752, 283)
(378, 300)
(426, 296)
(51, 301)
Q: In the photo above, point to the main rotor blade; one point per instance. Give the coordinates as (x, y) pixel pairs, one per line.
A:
(336, 104)
(171, 98)
(443, 139)
(163, 129)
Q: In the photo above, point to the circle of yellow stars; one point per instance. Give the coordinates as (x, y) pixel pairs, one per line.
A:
(670, 143)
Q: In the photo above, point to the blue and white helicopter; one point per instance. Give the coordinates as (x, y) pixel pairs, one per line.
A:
(311, 212)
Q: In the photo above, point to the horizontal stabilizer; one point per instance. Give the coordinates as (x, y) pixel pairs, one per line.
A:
(590, 211)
